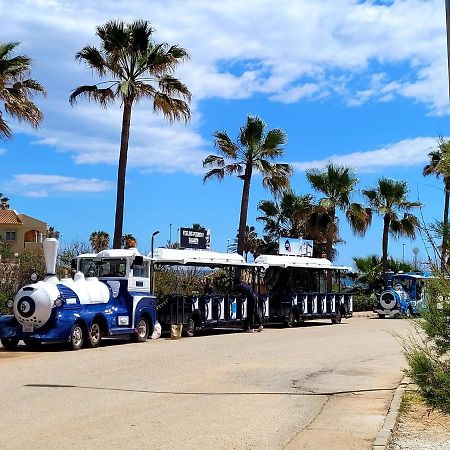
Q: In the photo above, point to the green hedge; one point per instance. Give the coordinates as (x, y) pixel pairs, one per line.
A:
(362, 302)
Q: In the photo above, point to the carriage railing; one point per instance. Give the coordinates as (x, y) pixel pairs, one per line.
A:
(235, 309)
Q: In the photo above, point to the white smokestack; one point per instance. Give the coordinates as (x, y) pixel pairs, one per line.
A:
(50, 246)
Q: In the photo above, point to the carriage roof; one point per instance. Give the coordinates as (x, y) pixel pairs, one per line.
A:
(198, 258)
(303, 262)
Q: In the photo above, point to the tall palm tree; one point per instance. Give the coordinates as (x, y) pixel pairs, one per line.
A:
(99, 241)
(4, 202)
(439, 165)
(254, 151)
(337, 183)
(388, 199)
(136, 68)
(17, 90)
(295, 216)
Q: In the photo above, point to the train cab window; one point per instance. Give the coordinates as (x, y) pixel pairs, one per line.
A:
(88, 267)
(141, 270)
(112, 268)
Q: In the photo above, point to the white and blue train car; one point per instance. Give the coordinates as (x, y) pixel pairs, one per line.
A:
(109, 295)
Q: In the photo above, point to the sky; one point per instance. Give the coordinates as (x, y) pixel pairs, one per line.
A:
(360, 83)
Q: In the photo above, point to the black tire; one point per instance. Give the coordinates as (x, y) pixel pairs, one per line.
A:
(95, 335)
(76, 337)
(10, 344)
(143, 331)
(337, 318)
(32, 344)
(189, 330)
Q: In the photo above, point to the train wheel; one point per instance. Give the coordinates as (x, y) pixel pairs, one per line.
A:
(95, 335)
(32, 344)
(337, 318)
(76, 337)
(142, 330)
(190, 328)
(9, 344)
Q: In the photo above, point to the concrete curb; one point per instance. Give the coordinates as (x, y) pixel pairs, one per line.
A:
(360, 314)
(382, 439)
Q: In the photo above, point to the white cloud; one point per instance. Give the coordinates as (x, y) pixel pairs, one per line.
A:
(405, 153)
(289, 51)
(40, 185)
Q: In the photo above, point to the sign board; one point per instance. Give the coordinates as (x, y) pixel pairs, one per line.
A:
(296, 247)
(196, 239)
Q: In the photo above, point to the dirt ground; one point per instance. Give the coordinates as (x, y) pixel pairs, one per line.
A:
(419, 427)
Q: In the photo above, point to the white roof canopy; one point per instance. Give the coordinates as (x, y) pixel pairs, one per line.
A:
(297, 261)
(197, 257)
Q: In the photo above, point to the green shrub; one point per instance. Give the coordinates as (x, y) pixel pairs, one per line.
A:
(428, 354)
(3, 307)
(362, 302)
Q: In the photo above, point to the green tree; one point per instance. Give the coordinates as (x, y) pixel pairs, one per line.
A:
(439, 165)
(369, 269)
(389, 200)
(99, 241)
(336, 184)
(17, 90)
(4, 202)
(136, 68)
(254, 151)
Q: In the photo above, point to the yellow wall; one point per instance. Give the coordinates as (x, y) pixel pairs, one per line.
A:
(28, 223)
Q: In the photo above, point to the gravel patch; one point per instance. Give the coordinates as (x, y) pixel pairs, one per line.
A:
(420, 428)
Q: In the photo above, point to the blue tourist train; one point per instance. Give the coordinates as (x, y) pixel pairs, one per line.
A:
(109, 295)
(405, 296)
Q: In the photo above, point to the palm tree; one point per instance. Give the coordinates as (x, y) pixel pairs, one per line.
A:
(136, 68)
(128, 241)
(337, 183)
(17, 90)
(439, 165)
(255, 150)
(389, 200)
(295, 216)
(251, 241)
(4, 202)
(99, 241)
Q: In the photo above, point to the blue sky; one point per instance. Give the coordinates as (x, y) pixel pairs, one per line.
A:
(361, 83)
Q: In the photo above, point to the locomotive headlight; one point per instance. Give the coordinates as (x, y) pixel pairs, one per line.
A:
(58, 302)
(33, 276)
(10, 303)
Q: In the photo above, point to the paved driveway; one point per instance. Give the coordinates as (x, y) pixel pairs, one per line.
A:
(320, 386)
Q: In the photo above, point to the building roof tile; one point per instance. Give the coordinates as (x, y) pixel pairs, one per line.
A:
(9, 217)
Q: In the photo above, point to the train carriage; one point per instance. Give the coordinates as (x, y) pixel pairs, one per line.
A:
(296, 290)
(200, 310)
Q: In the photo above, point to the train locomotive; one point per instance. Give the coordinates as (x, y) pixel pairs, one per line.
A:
(405, 295)
(109, 295)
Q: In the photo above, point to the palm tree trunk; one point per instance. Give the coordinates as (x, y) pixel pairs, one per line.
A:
(329, 246)
(387, 223)
(445, 228)
(121, 172)
(244, 208)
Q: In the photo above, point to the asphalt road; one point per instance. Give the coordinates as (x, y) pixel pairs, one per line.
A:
(320, 386)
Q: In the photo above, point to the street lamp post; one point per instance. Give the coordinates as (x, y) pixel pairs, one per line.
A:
(403, 253)
(152, 271)
(170, 234)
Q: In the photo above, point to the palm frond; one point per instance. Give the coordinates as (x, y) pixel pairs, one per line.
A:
(93, 59)
(214, 173)
(103, 96)
(172, 86)
(359, 218)
(251, 134)
(213, 160)
(225, 145)
(172, 108)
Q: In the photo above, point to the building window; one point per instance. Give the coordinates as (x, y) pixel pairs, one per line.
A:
(10, 236)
